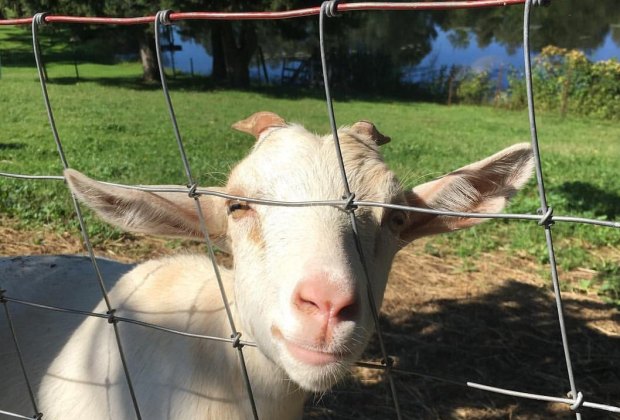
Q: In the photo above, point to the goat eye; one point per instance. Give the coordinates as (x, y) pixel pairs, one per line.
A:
(237, 208)
(397, 220)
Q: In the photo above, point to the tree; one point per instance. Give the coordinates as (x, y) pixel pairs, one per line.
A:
(119, 8)
(232, 44)
(143, 34)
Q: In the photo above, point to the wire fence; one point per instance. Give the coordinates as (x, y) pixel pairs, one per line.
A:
(328, 9)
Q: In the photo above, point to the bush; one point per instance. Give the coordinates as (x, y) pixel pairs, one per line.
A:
(567, 81)
(475, 88)
(458, 84)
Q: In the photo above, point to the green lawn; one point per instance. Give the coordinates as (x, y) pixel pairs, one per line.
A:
(117, 129)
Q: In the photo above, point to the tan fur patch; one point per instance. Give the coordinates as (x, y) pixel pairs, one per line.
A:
(256, 234)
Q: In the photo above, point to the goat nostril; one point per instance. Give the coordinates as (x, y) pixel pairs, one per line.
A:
(343, 309)
(347, 313)
(307, 303)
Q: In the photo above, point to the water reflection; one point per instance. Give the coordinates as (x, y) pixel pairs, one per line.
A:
(415, 42)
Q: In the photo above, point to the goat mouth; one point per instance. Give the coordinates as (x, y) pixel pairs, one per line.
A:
(311, 356)
(308, 354)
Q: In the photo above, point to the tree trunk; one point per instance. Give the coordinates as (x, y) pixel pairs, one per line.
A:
(236, 45)
(217, 49)
(150, 70)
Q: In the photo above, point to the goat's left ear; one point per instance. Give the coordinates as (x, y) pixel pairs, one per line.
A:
(256, 123)
(481, 187)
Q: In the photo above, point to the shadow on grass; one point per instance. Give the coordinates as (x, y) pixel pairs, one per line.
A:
(583, 196)
(198, 83)
(507, 338)
(187, 82)
(205, 83)
(11, 146)
(131, 82)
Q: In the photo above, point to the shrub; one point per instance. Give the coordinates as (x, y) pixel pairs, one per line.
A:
(567, 81)
(475, 88)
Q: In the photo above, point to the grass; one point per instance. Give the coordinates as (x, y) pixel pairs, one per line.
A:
(113, 127)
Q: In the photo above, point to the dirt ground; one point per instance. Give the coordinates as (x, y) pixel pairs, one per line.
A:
(493, 324)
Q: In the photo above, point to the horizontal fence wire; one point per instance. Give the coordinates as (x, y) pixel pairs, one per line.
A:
(540, 219)
(124, 319)
(545, 216)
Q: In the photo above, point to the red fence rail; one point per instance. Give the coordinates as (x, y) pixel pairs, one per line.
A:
(272, 15)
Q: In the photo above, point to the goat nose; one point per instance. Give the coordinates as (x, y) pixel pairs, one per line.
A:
(324, 298)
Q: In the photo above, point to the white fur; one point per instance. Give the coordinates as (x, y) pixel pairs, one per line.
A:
(277, 250)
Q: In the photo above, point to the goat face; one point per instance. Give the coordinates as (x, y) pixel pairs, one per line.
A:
(301, 287)
(299, 275)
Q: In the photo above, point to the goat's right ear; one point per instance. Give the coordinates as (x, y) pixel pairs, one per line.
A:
(155, 213)
(256, 123)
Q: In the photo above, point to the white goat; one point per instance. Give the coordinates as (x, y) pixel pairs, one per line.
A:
(298, 287)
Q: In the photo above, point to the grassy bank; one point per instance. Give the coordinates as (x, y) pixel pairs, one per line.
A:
(117, 129)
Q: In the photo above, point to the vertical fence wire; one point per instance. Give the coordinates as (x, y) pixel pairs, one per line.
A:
(545, 210)
(163, 17)
(37, 20)
(329, 9)
(20, 356)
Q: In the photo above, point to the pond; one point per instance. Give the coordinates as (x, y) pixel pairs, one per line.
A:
(418, 44)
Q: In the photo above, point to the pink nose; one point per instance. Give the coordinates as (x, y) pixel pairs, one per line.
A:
(325, 300)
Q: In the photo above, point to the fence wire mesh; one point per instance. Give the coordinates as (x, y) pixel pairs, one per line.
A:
(329, 9)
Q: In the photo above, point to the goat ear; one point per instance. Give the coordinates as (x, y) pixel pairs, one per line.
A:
(164, 214)
(256, 123)
(481, 187)
(367, 128)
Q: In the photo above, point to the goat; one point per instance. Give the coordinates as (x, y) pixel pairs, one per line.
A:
(298, 288)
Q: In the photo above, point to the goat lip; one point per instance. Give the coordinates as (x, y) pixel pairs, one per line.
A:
(306, 353)
(310, 356)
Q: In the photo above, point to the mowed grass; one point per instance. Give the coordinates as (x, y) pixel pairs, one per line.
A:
(117, 129)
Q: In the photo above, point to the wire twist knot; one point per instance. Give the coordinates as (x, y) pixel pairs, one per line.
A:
(237, 341)
(163, 16)
(349, 204)
(38, 416)
(578, 401)
(192, 190)
(547, 218)
(388, 362)
(39, 18)
(112, 319)
(330, 8)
